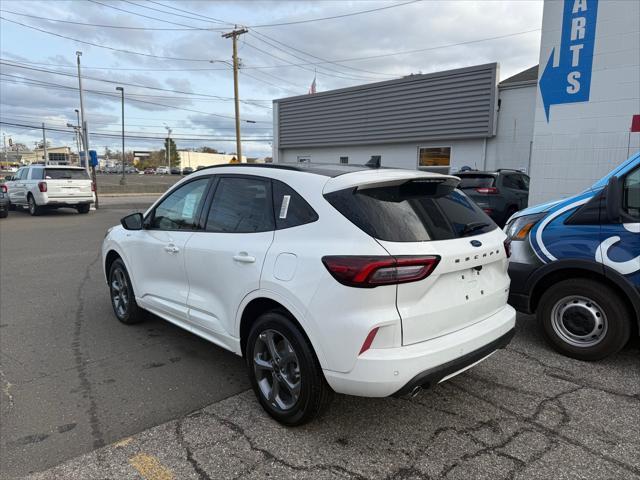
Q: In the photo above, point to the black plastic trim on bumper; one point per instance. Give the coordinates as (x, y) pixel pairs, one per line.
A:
(430, 377)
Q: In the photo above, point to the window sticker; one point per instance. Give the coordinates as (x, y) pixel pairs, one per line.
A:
(189, 206)
(285, 206)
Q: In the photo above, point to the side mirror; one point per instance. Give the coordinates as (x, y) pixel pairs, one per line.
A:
(8, 177)
(132, 222)
(613, 193)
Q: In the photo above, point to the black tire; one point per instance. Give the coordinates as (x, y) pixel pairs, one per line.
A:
(4, 213)
(124, 306)
(12, 206)
(584, 319)
(32, 206)
(83, 208)
(314, 394)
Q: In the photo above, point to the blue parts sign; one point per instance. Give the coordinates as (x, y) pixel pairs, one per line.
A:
(567, 76)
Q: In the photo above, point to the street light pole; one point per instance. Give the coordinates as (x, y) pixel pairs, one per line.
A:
(121, 90)
(168, 148)
(85, 133)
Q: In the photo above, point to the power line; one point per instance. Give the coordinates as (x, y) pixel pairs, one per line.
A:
(217, 20)
(139, 14)
(177, 14)
(130, 52)
(260, 34)
(123, 27)
(97, 92)
(115, 82)
(118, 135)
(297, 22)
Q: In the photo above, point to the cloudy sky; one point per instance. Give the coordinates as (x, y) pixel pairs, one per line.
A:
(174, 64)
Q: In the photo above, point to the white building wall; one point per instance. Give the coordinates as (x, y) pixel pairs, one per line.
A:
(402, 155)
(511, 147)
(581, 142)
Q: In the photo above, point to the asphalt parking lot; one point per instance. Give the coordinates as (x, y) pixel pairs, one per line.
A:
(96, 399)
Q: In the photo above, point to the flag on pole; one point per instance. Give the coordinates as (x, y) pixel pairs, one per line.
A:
(312, 88)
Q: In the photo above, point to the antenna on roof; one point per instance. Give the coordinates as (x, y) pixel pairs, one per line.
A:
(374, 162)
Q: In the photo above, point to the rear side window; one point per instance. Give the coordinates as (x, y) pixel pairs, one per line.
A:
(241, 205)
(476, 181)
(37, 173)
(65, 174)
(291, 209)
(412, 212)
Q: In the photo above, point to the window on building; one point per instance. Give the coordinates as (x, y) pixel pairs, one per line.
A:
(304, 159)
(344, 160)
(434, 156)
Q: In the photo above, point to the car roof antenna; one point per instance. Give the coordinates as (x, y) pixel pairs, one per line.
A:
(374, 162)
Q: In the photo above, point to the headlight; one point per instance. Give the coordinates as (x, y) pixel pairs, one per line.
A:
(519, 228)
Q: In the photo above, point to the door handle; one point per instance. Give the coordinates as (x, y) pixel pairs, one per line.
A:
(171, 248)
(244, 258)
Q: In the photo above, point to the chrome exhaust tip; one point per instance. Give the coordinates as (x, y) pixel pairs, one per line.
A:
(416, 390)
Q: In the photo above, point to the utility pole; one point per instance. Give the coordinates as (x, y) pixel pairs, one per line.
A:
(4, 145)
(44, 146)
(168, 148)
(85, 133)
(234, 35)
(121, 90)
(77, 132)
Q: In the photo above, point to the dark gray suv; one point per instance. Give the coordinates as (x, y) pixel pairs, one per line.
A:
(500, 194)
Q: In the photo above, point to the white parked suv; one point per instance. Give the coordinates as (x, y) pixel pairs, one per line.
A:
(51, 186)
(370, 282)
(163, 171)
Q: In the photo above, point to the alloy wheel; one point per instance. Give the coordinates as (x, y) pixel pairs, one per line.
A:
(277, 369)
(119, 292)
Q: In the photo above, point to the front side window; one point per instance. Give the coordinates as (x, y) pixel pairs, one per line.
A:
(179, 210)
(434, 157)
(241, 205)
(631, 194)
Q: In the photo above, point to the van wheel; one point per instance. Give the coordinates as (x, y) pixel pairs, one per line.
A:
(33, 207)
(123, 300)
(83, 208)
(584, 319)
(284, 371)
(4, 214)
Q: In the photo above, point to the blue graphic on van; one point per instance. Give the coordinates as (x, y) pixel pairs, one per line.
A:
(570, 80)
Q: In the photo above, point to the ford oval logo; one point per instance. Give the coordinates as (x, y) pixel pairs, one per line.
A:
(476, 243)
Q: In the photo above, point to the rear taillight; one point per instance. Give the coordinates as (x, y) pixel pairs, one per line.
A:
(372, 271)
(93, 186)
(507, 247)
(42, 186)
(4, 188)
(489, 190)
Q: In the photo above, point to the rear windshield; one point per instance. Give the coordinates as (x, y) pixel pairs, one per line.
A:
(65, 173)
(411, 212)
(476, 181)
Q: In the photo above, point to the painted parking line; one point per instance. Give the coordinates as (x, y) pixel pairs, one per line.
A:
(150, 468)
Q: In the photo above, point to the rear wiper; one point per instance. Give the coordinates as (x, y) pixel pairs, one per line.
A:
(472, 227)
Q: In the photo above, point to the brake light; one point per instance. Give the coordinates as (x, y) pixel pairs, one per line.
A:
(4, 188)
(489, 190)
(507, 247)
(372, 271)
(93, 186)
(42, 186)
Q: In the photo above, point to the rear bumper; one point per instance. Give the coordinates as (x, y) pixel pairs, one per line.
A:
(44, 200)
(387, 371)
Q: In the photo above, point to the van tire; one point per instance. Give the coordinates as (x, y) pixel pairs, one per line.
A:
(83, 208)
(588, 308)
(314, 393)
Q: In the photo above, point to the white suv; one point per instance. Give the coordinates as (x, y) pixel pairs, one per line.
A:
(51, 186)
(325, 278)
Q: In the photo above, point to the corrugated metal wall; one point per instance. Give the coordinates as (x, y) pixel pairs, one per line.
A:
(445, 105)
